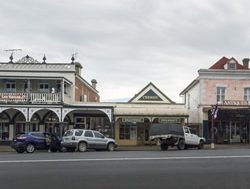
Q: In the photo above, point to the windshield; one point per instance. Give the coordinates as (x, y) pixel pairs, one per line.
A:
(68, 133)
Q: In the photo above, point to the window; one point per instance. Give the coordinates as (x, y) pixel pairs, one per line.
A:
(232, 66)
(128, 130)
(10, 86)
(78, 133)
(4, 131)
(221, 92)
(88, 134)
(98, 135)
(44, 87)
(68, 133)
(247, 94)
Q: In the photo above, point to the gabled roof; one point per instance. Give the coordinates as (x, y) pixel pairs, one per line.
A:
(151, 94)
(220, 64)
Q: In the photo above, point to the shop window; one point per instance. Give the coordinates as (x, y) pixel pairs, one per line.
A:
(4, 131)
(221, 93)
(247, 94)
(128, 131)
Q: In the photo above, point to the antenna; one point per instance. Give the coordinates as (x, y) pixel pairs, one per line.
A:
(75, 55)
(12, 50)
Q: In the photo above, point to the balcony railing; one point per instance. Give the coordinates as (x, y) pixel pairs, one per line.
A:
(35, 98)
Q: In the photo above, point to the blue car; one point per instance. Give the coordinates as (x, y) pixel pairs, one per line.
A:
(32, 141)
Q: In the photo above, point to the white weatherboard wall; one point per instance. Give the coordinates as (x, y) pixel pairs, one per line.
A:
(192, 104)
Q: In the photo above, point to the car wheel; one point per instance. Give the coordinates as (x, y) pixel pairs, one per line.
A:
(30, 148)
(62, 149)
(82, 147)
(164, 147)
(201, 145)
(53, 149)
(70, 149)
(111, 147)
(181, 145)
(18, 150)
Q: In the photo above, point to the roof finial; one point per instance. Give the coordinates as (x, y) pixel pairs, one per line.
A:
(11, 58)
(44, 59)
(72, 59)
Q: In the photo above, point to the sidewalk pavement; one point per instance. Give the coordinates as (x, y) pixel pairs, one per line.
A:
(6, 148)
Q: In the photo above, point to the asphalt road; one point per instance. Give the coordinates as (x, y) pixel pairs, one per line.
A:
(228, 168)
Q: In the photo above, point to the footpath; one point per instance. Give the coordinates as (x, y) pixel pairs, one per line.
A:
(6, 148)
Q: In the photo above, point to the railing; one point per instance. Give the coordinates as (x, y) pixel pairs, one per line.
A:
(40, 98)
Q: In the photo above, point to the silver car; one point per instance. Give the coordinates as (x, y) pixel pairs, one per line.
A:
(82, 140)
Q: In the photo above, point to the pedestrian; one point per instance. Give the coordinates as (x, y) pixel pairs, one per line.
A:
(48, 141)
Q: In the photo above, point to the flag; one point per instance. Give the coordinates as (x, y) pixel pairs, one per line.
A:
(214, 111)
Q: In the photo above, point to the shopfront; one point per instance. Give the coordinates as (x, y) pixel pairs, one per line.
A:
(132, 120)
(232, 125)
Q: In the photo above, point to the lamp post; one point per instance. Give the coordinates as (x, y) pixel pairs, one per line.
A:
(212, 132)
(214, 112)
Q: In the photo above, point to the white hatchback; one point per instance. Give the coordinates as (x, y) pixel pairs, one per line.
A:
(82, 140)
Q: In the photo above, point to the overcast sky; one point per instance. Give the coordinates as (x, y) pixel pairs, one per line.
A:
(125, 44)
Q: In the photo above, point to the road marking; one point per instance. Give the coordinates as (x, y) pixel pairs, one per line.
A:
(123, 159)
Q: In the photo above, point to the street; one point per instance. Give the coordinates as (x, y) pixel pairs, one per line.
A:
(224, 168)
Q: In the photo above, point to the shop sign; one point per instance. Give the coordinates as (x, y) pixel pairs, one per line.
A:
(170, 120)
(150, 96)
(236, 102)
(133, 120)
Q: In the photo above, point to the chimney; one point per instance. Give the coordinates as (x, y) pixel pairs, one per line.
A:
(245, 63)
(94, 82)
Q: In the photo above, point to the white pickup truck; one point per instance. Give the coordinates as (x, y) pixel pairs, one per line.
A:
(171, 134)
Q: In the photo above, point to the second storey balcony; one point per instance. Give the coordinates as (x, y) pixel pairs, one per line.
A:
(35, 91)
(33, 98)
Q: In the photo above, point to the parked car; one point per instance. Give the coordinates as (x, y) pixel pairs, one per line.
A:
(171, 134)
(32, 141)
(82, 140)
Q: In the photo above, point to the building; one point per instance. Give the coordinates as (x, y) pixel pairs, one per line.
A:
(51, 97)
(134, 118)
(227, 84)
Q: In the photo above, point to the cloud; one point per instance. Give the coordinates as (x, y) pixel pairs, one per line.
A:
(126, 44)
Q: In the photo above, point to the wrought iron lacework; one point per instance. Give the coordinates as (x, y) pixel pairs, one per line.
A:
(27, 59)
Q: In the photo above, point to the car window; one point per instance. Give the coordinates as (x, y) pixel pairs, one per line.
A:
(37, 134)
(98, 135)
(68, 133)
(88, 134)
(192, 131)
(186, 130)
(78, 133)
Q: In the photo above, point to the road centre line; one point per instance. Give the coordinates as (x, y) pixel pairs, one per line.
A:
(122, 159)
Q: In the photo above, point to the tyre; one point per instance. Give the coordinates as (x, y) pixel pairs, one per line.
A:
(30, 148)
(111, 147)
(201, 145)
(53, 149)
(18, 150)
(164, 147)
(181, 145)
(82, 147)
(70, 149)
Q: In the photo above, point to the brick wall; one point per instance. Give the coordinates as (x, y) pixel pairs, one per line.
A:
(84, 92)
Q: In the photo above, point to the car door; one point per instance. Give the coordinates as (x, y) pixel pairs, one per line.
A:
(100, 140)
(188, 137)
(194, 137)
(90, 139)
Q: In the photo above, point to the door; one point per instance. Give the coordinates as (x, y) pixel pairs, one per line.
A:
(188, 138)
(100, 140)
(234, 132)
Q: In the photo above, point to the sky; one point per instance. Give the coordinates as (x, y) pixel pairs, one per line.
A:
(126, 44)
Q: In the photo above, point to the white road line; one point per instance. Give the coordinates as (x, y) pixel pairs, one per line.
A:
(122, 159)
